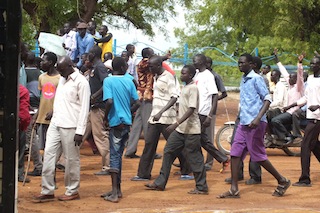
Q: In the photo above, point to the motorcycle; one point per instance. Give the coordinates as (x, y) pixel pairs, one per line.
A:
(225, 133)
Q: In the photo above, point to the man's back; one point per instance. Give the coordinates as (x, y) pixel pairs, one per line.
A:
(121, 90)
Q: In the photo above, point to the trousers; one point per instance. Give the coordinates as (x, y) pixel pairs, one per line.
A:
(207, 144)
(58, 138)
(140, 123)
(150, 148)
(192, 146)
(310, 143)
(100, 135)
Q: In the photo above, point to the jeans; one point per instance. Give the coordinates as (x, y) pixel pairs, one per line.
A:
(117, 138)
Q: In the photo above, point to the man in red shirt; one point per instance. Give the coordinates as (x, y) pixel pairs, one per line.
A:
(24, 120)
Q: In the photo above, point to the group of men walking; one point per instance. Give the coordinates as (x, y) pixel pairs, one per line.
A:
(101, 101)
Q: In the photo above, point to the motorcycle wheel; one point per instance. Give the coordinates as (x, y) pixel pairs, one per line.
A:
(223, 138)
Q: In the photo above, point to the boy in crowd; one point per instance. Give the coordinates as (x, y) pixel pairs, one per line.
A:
(118, 92)
(185, 135)
(48, 83)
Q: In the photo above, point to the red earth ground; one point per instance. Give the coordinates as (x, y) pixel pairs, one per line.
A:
(254, 198)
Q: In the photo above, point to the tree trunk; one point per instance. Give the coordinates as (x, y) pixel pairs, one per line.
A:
(89, 8)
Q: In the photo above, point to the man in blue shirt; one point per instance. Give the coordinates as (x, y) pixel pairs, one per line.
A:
(254, 102)
(118, 91)
(84, 41)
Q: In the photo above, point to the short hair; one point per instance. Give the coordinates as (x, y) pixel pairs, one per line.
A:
(124, 52)
(108, 54)
(96, 50)
(156, 59)
(129, 45)
(278, 73)
(105, 26)
(247, 56)
(268, 66)
(51, 57)
(117, 63)
(209, 60)
(145, 52)
(202, 57)
(256, 60)
(31, 57)
(93, 23)
(191, 68)
(37, 61)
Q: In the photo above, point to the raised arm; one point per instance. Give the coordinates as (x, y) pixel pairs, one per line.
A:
(282, 69)
(300, 86)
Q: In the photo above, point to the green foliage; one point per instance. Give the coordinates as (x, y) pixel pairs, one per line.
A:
(28, 30)
(142, 14)
(236, 27)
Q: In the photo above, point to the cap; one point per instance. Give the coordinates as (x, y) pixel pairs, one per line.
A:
(82, 25)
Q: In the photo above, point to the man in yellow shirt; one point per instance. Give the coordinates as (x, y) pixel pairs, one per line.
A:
(105, 43)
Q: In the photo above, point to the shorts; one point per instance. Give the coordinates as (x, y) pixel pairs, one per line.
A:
(250, 140)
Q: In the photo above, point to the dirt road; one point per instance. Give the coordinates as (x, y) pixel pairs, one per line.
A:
(136, 198)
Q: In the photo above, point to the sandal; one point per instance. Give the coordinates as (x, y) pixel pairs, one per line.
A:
(281, 189)
(229, 194)
(225, 165)
(198, 192)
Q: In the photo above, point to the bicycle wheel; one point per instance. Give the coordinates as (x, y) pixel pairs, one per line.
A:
(223, 138)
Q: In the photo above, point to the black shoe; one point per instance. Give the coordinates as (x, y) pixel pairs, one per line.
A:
(152, 186)
(158, 156)
(252, 181)
(20, 179)
(228, 180)
(137, 178)
(302, 184)
(35, 172)
(132, 156)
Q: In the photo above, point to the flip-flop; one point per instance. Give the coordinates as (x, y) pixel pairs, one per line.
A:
(229, 194)
(198, 192)
(281, 189)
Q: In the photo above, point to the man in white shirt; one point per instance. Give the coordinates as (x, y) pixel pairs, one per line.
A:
(208, 99)
(69, 41)
(279, 100)
(68, 124)
(311, 138)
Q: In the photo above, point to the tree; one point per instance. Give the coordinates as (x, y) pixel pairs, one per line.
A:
(241, 26)
(49, 16)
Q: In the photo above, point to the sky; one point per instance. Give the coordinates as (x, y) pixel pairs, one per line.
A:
(159, 42)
